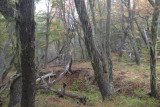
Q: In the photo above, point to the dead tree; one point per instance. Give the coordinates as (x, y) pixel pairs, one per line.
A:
(62, 92)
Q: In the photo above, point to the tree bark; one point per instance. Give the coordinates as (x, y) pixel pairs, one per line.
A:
(108, 49)
(91, 3)
(7, 10)
(102, 56)
(124, 29)
(15, 93)
(92, 52)
(132, 37)
(153, 37)
(142, 34)
(26, 26)
(4, 52)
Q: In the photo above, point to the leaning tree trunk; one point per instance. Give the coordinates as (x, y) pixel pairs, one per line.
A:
(92, 52)
(26, 27)
(4, 52)
(91, 3)
(16, 86)
(153, 37)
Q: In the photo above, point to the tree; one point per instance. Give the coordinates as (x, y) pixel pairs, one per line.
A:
(100, 47)
(48, 24)
(7, 10)
(26, 28)
(108, 50)
(153, 37)
(92, 52)
(132, 37)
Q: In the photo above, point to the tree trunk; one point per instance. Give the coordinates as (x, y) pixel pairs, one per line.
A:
(26, 27)
(124, 29)
(47, 36)
(108, 49)
(122, 44)
(80, 44)
(15, 93)
(142, 34)
(100, 14)
(91, 4)
(4, 52)
(132, 36)
(92, 52)
(153, 37)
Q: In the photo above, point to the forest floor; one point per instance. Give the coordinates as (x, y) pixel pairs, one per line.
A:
(131, 84)
(131, 81)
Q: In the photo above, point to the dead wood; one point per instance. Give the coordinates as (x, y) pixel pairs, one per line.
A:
(64, 93)
(52, 74)
(68, 68)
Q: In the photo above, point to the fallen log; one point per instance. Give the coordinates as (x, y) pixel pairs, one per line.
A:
(62, 92)
(52, 74)
(76, 96)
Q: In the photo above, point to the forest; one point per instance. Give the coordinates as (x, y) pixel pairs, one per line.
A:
(79, 53)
